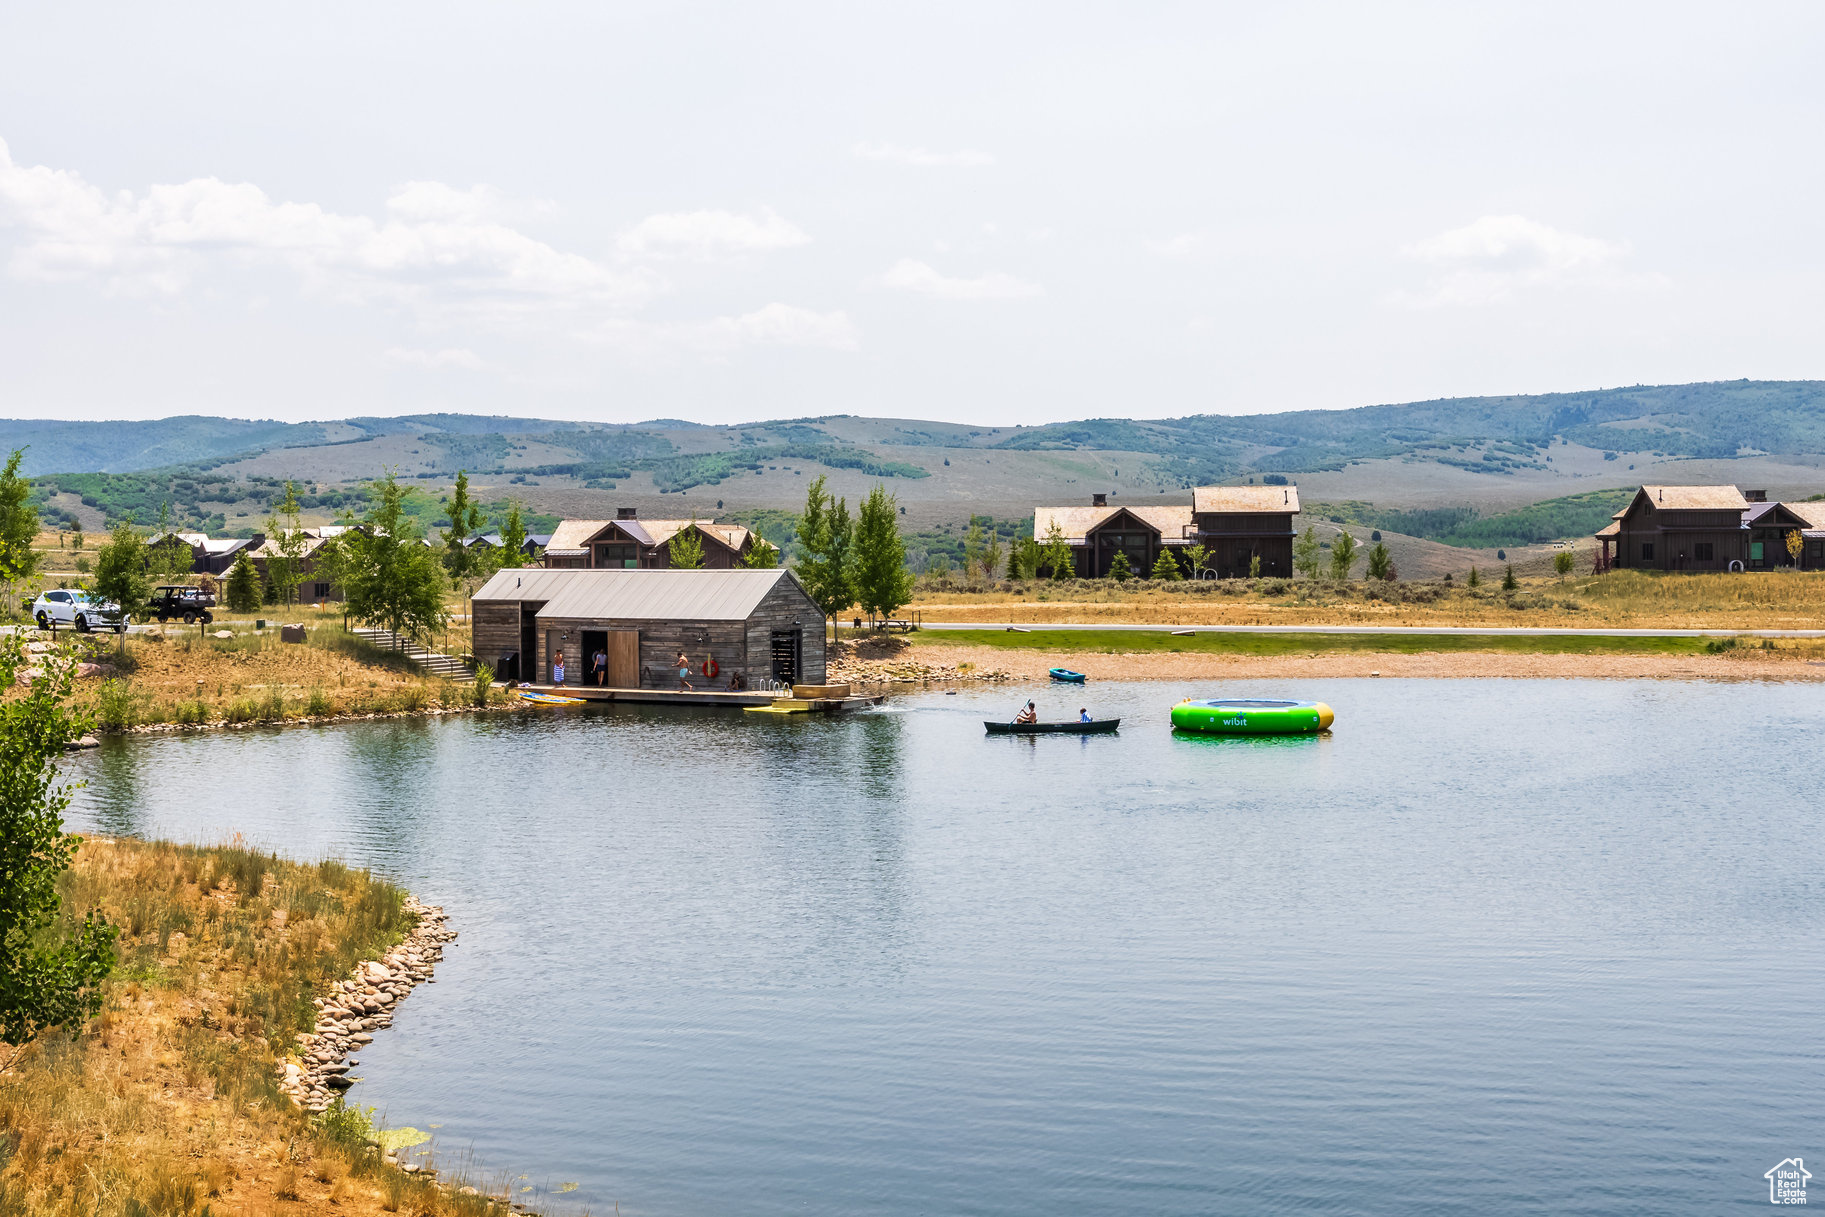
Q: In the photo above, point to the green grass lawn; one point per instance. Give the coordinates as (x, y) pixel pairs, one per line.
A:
(1146, 642)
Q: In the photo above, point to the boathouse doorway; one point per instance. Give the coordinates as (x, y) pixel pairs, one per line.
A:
(787, 647)
(623, 650)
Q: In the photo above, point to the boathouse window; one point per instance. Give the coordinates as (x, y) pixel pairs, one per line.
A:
(1647, 551)
(1701, 552)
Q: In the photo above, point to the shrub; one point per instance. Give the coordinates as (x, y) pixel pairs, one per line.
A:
(484, 683)
(116, 709)
(318, 704)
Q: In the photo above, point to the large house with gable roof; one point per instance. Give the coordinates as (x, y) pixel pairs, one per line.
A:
(1235, 524)
(630, 543)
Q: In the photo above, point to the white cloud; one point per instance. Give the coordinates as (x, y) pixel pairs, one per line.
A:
(776, 324)
(909, 274)
(1495, 257)
(922, 158)
(1183, 247)
(450, 357)
(708, 234)
(438, 248)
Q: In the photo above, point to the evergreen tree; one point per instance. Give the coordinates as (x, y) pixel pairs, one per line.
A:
(243, 590)
(1119, 568)
(391, 579)
(1475, 580)
(1165, 567)
(1343, 555)
(18, 525)
(686, 547)
(1380, 562)
(513, 537)
(882, 582)
(50, 968)
(465, 521)
(1305, 552)
(1509, 582)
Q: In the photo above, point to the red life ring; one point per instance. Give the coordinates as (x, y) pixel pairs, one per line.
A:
(709, 667)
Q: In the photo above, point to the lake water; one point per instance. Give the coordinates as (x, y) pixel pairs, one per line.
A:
(1506, 946)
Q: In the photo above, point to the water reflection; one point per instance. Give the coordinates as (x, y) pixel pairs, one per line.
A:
(886, 964)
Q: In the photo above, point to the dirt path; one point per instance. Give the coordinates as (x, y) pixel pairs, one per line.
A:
(1032, 665)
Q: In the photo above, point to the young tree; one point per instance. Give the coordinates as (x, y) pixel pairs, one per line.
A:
(1509, 582)
(1562, 563)
(1254, 566)
(76, 539)
(1197, 556)
(513, 538)
(1343, 555)
(243, 590)
(991, 552)
(1165, 567)
(825, 534)
(1305, 552)
(762, 555)
(882, 582)
(1120, 569)
(170, 558)
(686, 547)
(285, 547)
(1057, 552)
(120, 571)
(1475, 580)
(972, 551)
(465, 521)
(49, 973)
(391, 579)
(1795, 543)
(1380, 564)
(18, 526)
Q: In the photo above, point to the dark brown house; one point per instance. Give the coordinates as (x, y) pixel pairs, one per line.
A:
(630, 543)
(1679, 528)
(1235, 524)
(758, 625)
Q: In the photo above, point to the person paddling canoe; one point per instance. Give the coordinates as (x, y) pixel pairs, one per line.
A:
(1028, 715)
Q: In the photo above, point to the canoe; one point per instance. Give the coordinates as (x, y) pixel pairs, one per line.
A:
(1244, 716)
(1068, 676)
(1102, 726)
(547, 699)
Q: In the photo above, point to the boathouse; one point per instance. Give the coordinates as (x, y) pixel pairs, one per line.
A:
(747, 626)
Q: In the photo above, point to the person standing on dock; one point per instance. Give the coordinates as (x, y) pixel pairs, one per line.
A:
(557, 668)
(599, 663)
(684, 671)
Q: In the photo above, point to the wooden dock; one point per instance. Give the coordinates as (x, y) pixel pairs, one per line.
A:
(750, 699)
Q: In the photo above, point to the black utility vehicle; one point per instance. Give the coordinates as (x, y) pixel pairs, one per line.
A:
(190, 603)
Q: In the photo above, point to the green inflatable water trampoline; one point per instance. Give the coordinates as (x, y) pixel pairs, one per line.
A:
(1243, 716)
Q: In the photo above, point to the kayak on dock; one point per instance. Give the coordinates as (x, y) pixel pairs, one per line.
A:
(1068, 676)
(548, 699)
(1101, 726)
(1245, 716)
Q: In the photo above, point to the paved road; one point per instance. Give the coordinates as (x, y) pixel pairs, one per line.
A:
(1521, 630)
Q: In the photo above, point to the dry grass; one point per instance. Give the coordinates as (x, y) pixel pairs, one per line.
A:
(1620, 599)
(167, 1103)
(181, 677)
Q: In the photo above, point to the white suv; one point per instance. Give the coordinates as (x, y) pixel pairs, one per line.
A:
(74, 608)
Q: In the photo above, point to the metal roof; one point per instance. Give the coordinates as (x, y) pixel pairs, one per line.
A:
(638, 595)
(1228, 500)
(1696, 498)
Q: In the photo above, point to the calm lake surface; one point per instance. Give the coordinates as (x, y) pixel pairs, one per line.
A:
(1504, 946)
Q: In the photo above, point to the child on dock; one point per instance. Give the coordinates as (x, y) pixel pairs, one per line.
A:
(557, 668)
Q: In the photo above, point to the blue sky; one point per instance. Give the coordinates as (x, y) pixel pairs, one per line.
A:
(978, 212)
